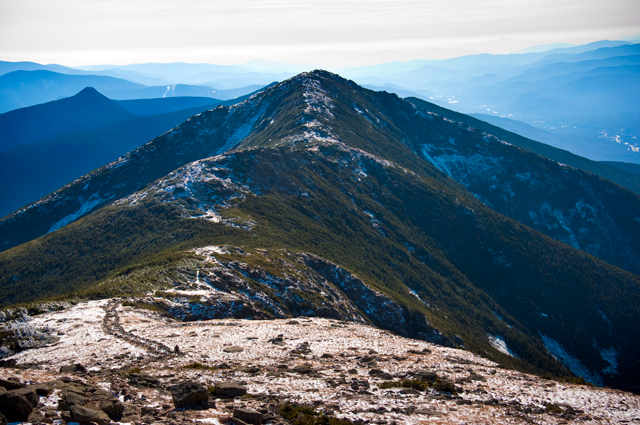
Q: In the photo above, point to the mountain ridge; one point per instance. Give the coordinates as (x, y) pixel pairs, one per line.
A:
(319, 166)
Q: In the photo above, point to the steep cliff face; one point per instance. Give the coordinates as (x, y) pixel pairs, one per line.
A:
(332, 202)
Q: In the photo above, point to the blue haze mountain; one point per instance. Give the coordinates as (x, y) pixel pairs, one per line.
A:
(19, 89)
(47, 146)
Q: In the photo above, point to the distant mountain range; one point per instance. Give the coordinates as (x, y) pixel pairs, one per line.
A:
(428, 227)
(46, 146)
(584, 96)
(19, 89)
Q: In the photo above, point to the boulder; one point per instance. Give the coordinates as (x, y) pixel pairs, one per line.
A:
(142, 380)
(189, 395)
(233, 349)
(368, 359)
(11, 384)
(91, 397)
(248, 416)
(250, 370)
(425, 375)
(37, 417)
(66, 416)
(229, 390)
(8, 363)
(477, 377)
(303, 369)
(427, 412)
(379, 373)
(73, 368)
(87, 414)
(113, 408)
(17, 405)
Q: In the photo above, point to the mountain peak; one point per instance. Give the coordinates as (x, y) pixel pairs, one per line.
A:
(89, 93)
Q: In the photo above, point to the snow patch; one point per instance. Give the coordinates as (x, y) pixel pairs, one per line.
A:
(500, 344)
(558, 352)
(85, 207)
(609, 355)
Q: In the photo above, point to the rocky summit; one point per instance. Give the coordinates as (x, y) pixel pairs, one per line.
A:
(152, 369)
(320, 199)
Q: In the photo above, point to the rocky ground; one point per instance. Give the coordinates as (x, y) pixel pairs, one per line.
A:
(114, 362)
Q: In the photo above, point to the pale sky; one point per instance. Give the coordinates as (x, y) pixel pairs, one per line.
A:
(324, 33)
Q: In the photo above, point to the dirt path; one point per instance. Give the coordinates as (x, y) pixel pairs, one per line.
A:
(111, 325)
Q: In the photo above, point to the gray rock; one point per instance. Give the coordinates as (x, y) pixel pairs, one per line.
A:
(73, 368)
(279, 340)
(248, 416)
(11, 384)
(424, 351)
(3, 420)
(18, 404)
(142, 380)
(229, 389)
(113, 408)
(368, 359)
(379, 373)
(38, 418)
(66, 416)
(87, 414)
(190, 395)
(233, 349)
(148, 410)
(425, 375)
(250, 369)
(303, 369)
(43, 389)
(8, 363)
(130, 410)
(427, 412)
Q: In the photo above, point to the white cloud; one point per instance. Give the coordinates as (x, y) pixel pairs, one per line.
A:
(237, 31)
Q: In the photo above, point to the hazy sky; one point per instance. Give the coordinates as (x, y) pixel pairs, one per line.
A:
(328, 32)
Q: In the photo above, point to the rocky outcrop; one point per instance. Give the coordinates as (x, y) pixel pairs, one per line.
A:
(229, 390)
(379, 308)
(17, 405)
(190, 395)
(85, 414)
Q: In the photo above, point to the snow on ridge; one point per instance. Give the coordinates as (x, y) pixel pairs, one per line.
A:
(199, 190)
(85, 207)
(316, 98)
(119, 162)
